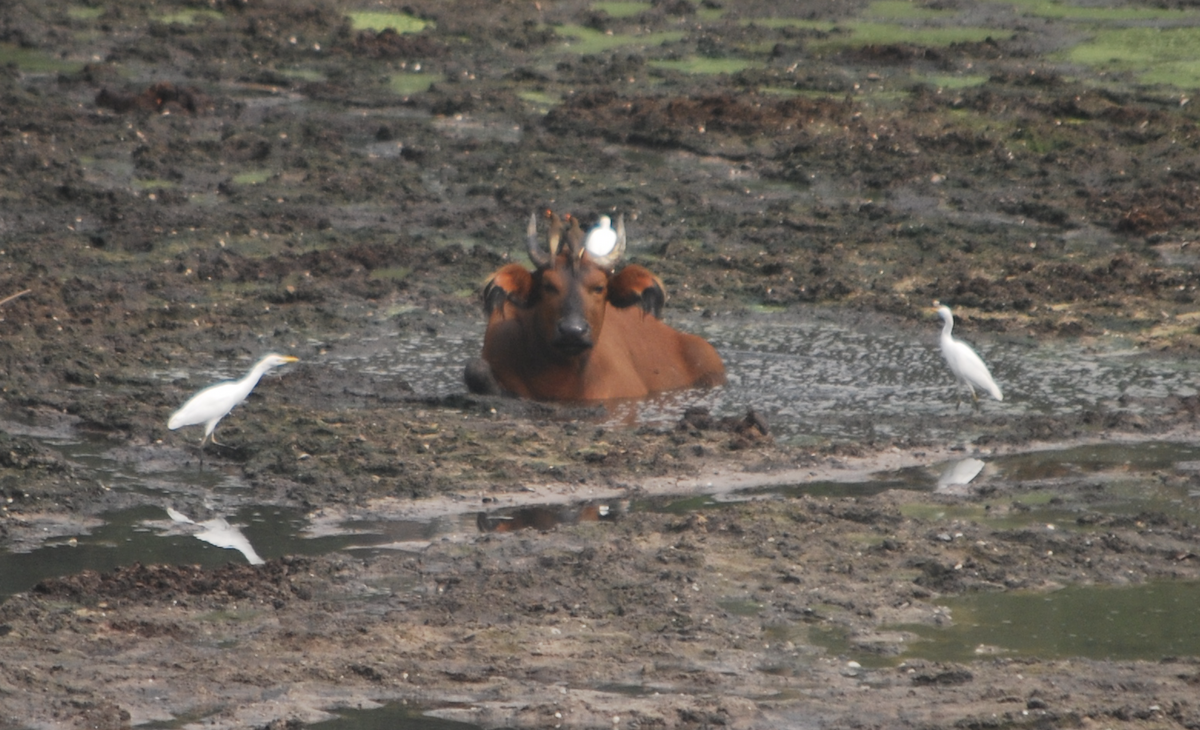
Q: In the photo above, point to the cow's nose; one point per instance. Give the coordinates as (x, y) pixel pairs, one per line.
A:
(573, 330)
(573, 336)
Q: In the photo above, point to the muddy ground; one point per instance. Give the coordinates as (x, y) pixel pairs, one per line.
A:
(186, 186)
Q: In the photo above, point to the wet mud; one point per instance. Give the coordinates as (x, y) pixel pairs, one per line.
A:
(184, 188)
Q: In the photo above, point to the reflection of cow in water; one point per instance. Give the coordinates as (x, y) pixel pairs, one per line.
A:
(574, 329)
(543, 517)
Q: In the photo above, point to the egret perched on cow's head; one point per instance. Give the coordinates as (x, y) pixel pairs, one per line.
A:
(578, 329)
(967, 367)
(601, 238)
(214, 402)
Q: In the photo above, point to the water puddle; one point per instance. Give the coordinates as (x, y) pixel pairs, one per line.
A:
(149, 534)
(207, 518)
(392, 716)
(1150, 622)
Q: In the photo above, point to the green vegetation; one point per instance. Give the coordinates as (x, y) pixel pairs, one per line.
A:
(869, 34)
(700, 65)
(188, 17)
(806, 93)
(407, 84)
(377, 21)
(823, 26)
(252, 177)
(540, 100)
(955, 82)
(303, 74)
(588, 40)
(1098, 14)
(396, 273)
(1154, 55)
(33, 61)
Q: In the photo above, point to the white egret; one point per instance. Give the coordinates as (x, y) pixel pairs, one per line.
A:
(967, 367)
(214, 402)
(601, 238)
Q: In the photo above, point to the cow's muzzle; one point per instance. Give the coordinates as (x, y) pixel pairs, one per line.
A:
(572, 338)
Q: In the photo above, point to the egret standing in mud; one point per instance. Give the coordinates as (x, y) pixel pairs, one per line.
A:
(967, 367)
(215, 402)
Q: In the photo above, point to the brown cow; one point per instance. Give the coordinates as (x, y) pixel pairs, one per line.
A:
(573, 330)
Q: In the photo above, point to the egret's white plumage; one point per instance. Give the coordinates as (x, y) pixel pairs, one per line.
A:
(602, 238)
(967, 367)
(213, 403)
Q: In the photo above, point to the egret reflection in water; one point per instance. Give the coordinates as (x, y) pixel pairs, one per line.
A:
(956, 475)
(218, 532)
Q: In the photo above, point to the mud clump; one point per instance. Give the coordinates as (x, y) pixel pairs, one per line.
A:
(162, 98)
(272, 583)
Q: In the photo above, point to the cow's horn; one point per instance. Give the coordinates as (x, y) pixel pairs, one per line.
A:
(555, 234)
(540, 258)
(612, 258)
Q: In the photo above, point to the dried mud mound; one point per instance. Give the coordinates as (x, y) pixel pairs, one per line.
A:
(274, 584)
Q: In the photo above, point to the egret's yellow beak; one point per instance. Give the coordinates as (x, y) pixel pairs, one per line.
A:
(289, 358)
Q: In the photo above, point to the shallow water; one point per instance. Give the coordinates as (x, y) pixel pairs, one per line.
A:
(1153, 622)
(812, 377)
(147, 534)
(393, 716)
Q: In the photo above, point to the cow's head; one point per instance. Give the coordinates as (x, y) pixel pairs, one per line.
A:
(566, 295)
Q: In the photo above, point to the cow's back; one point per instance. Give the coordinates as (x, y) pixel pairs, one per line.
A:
(635, 355)
(651, 357)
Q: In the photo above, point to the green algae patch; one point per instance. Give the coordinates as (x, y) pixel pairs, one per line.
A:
(377, 21)
(1100, 14)
(395, 273)
(407, 84)
(584, 40)
(188, 17)
(882, 34)
(541, 101)
(252, 177)
(34, 61)
(1153, 55)
(154, 184)
(699, 65)
(1147, 622)
(956, 82)
(303, 74)
(820, 26)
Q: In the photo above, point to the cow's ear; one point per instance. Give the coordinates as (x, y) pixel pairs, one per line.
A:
(635, 285)
(513, 283)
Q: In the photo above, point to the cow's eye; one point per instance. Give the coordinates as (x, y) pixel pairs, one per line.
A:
(598, 290)
(550, 289)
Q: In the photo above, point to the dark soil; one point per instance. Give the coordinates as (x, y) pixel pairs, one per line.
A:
(184, 186)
